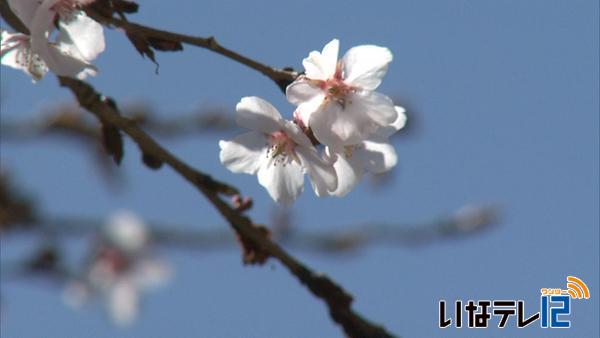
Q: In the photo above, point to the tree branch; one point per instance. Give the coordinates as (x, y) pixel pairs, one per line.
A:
(337, 299)
(282, 77)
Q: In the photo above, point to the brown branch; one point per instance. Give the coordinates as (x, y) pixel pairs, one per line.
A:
(337, 299)
(282, 77)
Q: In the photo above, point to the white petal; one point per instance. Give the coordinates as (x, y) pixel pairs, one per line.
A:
(87, 35)
(349, 171)
(338, 125)
(15, 52)
(301, 90)
(151, 273)
(321, 66)
(284, 183)
(329, 56)
(76, 293)
(257, 114)
(378, 107)
(127, 231)
(322, 174)
(62, 62)
(123, 302)
(296, 134)
(365, 66)
(24, 10)
(62, 59)
(244, 153)
(377, 157)
(306, 109)
(398, 124)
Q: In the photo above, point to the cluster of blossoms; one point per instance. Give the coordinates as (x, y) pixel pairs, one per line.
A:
(62, 39)
(121, 267)
(340, 128)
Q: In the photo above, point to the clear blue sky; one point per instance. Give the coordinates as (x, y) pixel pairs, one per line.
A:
(505, 98)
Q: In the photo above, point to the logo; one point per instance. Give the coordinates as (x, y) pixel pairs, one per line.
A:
(555, 307)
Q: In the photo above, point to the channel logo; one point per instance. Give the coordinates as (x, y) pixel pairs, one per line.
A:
(555, 309)
(577, 289)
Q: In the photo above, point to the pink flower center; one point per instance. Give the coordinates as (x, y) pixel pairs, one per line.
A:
(113, 260)
(335, 88)
(281, 148)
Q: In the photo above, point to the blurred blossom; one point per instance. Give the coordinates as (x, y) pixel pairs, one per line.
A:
(126, 231)
(121, 269)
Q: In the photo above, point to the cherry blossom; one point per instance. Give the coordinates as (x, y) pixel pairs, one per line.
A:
(121, 269)
(69, 52)
(375, 155)
(337, 100)
(277, 151)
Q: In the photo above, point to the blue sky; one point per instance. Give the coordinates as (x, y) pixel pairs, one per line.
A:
(506, 112)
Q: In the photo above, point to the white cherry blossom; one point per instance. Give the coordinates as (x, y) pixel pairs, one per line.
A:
(277, 151)
(337, 100)
(375, 155)
(68, 53)
(121, 269)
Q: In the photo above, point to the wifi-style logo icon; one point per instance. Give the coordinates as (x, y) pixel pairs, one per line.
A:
(577, 288)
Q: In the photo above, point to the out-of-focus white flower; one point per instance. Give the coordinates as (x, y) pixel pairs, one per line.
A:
(127, 231)
(122, 280)
(79, 39)
(121, 269)
(336, 99)
(277, 151)
(375, 155)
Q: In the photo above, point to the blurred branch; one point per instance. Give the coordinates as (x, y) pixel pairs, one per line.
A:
(69, 121)
(468, 221)
(15, 209)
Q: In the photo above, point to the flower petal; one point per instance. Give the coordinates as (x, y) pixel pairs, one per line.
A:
(257, 114)
(85, 33)
(329, 56)
(348, 170)
(24, 10)
(127, 231)
(283, 182)
(244, 153)
(123, 301)
(322, 174)
(151, 273)
(338, 126)
(305, 110)
(365, 66)
(15, 52)
(377, 157)
(62, 59)
(398, 124)
(321, 66)
(378, 107)
(302, 90)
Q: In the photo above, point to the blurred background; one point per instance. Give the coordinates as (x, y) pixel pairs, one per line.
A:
(502, 99)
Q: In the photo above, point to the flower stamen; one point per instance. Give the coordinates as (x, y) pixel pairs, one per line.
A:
(281, 148)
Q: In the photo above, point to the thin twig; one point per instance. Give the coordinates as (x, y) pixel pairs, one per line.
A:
(282, 77)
